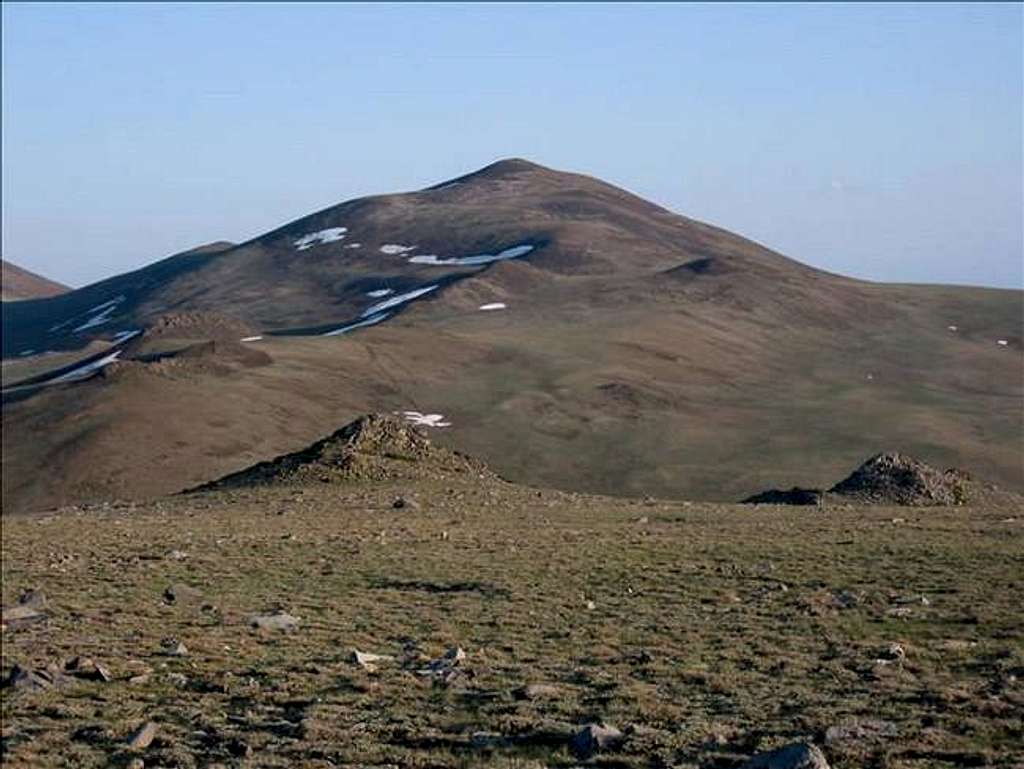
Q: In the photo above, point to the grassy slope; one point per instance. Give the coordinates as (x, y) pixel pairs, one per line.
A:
(716, 631)
(704, 402)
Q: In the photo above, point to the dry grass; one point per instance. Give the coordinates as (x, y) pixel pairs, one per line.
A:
(716, 630)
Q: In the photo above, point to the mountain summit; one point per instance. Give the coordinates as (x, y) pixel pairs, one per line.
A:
(365, 261)
(563, 330)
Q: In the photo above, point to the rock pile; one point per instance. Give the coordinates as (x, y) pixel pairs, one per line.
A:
(896, 479)
(375, 447)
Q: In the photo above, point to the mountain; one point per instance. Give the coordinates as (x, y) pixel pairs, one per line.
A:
(562, 329)
(19, 283)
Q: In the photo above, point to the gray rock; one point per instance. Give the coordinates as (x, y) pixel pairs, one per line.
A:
(368, 661)
(594, 738)
(16, 616)
(34, 679)
(172, 647)
(33, 599)
(405, 503)
(142, 737)
(446, 668)
(538, 692)
(183, 595)
(485, 740)
(279, 620)
(799, 755)
(88, 668)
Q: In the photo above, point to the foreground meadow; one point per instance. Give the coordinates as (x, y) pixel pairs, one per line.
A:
(507, 619)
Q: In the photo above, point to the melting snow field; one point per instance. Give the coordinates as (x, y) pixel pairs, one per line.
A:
(493, 306)
(378, 293)
(330, 235)
(371, 321)
(104, 311)
(509, 253)
(88, 368)
(425, 420)
(124, 336)
(394, 301)
(393, 249)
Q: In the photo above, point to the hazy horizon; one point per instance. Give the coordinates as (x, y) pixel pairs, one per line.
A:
(881, 142)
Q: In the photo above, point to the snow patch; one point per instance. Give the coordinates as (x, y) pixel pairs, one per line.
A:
(330, 235)
(89, 368)
(425, 420)
(493, 306)
(378, 293)
(250, 339)
(952, 328)
(398, 299)
(393, 249)
(372, 320)
(509, 253)
(1002, 342)
(354, 245)
(124, 336)
(105, 310)
(25, 353)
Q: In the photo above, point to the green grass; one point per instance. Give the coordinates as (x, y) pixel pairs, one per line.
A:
(714, 633)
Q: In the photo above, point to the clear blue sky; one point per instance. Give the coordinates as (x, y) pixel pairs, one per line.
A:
(879, 141)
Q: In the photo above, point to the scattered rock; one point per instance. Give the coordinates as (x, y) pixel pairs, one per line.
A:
(861, 731)
(34, 679)
(33, 599)
(88, 668)
(142, 737)
(402, 503)
(177, 555)
(845, 599)
(590, 605)
(799, 755)
(537, 692)
(594, 738)
(368, 661)
(905, 600)
(182, 594)
(894, 652)
(446, 668)
(16, 616)
(277, 621)
(172, 647)
(484, 740)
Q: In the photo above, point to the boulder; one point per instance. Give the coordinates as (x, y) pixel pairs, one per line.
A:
(594, 738)
(277, 621)
(142, 737)
(799, 755)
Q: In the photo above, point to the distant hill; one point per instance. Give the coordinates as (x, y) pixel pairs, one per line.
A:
(563, 330)
(19, 283)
